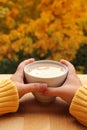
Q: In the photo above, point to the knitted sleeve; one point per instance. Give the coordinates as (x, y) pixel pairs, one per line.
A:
(9, 99)
(78, 107)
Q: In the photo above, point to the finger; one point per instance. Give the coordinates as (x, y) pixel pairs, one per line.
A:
(34, 87)
(22, 64)
(54, 91)
(25, 62)
(69, 65)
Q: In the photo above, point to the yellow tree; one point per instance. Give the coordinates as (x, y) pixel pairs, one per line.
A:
(62, 21)
(51, 29)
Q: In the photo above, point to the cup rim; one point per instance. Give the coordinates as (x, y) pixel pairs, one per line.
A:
(46, 61)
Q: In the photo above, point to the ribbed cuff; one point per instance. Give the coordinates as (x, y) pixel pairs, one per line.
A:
(78, 107)
(9, 99)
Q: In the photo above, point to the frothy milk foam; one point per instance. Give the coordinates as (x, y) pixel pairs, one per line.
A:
(46, 70)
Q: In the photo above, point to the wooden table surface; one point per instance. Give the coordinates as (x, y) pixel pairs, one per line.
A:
(33, 115)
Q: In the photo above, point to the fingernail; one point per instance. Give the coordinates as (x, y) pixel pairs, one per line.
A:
(32, 59)
(44, 86)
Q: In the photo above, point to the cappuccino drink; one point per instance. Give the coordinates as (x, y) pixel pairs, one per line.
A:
(45, 71)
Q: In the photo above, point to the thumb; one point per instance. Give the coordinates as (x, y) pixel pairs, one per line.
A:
(69, 65)
(33, 87)
(54, 91)
(23, 63)
(66, 93)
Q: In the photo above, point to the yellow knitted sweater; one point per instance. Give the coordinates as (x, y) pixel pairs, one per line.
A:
(9, 100)
(78, 107)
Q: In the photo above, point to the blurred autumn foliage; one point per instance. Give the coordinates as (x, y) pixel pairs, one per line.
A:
(43, 29)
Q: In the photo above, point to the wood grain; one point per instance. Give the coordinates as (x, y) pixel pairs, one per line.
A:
(33, 115)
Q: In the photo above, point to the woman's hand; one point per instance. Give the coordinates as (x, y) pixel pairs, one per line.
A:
(70, 86)
(18, 79)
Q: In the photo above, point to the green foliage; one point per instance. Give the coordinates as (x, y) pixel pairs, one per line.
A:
(80, 60)
(7, 66)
